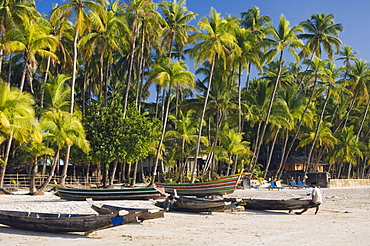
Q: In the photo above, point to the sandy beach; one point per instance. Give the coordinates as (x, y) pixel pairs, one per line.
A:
(343, 219)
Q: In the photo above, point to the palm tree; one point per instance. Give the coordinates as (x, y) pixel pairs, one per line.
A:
(321, 137)
(177, 18)
(12, 13)
(231, 144)
(17, 121)
(109, 34)
(32, 39)
(141, 11)
(296, 104)
(185, 130)
(76, 10)
(334, 88)
(215, 43)
(284, 37)
(315, 72)
(167, 73)
(57, 101)
(347, 55)
(58, 93)
(347, 150)
(258, 26)
(252, 20)
(62, 129)
(360, 77)
(321, 32)
(34, 150)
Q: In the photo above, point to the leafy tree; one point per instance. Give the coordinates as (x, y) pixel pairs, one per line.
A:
(17, 121)
(114, 137)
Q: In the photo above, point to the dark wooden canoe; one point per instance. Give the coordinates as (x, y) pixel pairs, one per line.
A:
(275, 204)
(192, 204)
(61, 223)
(144, 214)
(222, 186)
(138, 193)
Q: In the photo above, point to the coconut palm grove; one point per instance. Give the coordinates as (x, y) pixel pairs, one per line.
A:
(232, 93)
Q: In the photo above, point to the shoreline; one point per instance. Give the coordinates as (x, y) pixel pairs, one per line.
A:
(343, 219)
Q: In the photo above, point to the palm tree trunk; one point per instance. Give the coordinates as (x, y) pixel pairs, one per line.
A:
(5, 161)
(23, 78)
(33, 177)
(279, 170)
(10, 68)
(193, 168)
(300, 122)
(240, 99)
(271, 153)
(41, 189)
(155, 167)
(133, 181)
(219, 118)
(62, 180)
(74, 69)
(140, 72)
(101, 77)
(87, 174)
(228, 166)
(268, 113)
(316, 134)
(114, 170)
(45, 80)
(129, 75)
(1, 58)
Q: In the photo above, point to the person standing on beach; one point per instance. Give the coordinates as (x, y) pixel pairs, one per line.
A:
(316, 199)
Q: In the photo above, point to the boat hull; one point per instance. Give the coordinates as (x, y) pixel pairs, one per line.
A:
(222, 186)
(62, 223)
(144, 214)
(190, 204)
(267, 204)
(75, 194)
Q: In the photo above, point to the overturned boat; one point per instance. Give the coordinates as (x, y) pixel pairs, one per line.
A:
(194, 204)
(275, 204)
(62, 223)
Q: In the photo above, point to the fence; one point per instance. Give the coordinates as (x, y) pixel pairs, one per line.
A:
(22, 181)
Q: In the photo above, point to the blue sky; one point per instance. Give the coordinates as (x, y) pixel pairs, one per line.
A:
(353, 15)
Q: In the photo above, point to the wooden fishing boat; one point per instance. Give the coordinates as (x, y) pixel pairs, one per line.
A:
(61, 223)
(137, 193)
(193, 204)
(222, 186)
(275, 204)
(144, 214)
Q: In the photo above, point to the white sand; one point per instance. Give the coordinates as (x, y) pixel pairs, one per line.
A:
(343, 219)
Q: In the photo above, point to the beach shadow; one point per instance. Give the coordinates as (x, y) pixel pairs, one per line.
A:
(192, 213)
(15, 231)
(269, 212)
